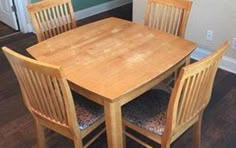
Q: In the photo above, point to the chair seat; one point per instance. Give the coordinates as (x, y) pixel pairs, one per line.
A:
(88, 112)
(148, 111)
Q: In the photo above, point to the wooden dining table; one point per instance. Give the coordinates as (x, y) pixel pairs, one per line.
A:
(112, 61)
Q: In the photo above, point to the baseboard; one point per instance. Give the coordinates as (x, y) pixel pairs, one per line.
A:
(228, 64)
(100, 8)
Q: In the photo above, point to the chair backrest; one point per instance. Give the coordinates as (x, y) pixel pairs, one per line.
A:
(51, 17)
(168, 15)
(192, 90)
(45, 90)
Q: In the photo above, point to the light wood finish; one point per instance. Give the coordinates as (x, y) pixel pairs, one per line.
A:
(168, 15)
(189, 98)
(113, 61)
(51, 17)
(114, 130)
(48, 97)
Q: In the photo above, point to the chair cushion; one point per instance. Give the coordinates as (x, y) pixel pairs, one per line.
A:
(148, 111)
(87, 111)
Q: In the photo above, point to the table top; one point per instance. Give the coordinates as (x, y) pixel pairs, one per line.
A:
(112, 57)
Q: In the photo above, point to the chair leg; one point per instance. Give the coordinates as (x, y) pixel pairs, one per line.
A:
(165, 145)
(78, 141)
(40, 135)
(197, 133)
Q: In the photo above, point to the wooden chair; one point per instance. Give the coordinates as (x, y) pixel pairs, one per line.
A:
(47, 96)
(51, 17)
(168, 15)
(163, 120)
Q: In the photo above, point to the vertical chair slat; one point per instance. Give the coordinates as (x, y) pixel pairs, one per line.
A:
(176, 21)
(55, 100)
(41, 95)
(188, 99)
(171, 22)
(152, 20)
(205, 84)
(196, 106)
(191, 98)
(162, 17)
(52, 20)
(67, 17)
(60, 23)
(179, 21)
(38, 19)
(63, 18)
(32, 89)
(147, 14)
(197, 91)
(163, 20)
(181, 103)
(156, 16)
(63, 94)
(204, 89)
(168, 20)
(60, 98)
(57, 26)
(48, 23)
(166, 16)
(209, 76)
(46, 27)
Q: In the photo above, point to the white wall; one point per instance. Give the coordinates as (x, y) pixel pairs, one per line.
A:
(216, 15)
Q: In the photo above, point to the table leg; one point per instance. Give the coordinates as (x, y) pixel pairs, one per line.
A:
(113, 119)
